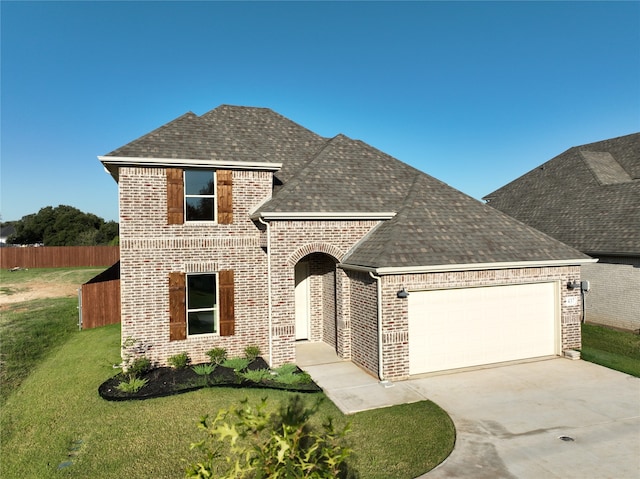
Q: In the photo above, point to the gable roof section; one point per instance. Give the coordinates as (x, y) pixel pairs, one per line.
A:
(587, 197)
(345, 175)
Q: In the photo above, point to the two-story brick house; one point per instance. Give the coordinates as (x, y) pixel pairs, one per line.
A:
(240, 227)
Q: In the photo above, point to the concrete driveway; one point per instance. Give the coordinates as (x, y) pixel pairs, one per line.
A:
(511, 421)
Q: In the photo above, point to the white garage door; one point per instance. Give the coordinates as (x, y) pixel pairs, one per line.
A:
(457, 328)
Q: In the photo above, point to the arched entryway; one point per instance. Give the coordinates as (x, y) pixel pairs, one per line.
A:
(315, 299)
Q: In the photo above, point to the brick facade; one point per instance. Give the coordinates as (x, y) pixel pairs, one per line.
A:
(151, 249)
(364, 321)
(344, 303)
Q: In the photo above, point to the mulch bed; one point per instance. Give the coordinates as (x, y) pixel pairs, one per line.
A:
(164, 381)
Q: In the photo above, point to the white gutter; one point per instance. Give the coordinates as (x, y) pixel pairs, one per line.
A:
(324, 215)
(111, 164)
(269, 290)
(439, 268)
(188, 162)
(379, 285)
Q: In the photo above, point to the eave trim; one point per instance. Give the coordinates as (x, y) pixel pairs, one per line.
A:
(324, 215)
(441, 268)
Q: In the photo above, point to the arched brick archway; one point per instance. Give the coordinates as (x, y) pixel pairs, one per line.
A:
(327, 287)
(317, 247)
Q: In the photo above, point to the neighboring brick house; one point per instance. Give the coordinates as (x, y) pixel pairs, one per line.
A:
(589, 197)
(240, 227)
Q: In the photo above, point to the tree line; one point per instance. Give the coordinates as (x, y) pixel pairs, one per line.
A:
(63, 226)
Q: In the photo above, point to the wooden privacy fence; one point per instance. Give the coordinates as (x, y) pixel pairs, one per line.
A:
(58, 256)
(99, 299)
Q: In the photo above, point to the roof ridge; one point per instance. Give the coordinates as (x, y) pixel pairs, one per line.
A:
(301, 172)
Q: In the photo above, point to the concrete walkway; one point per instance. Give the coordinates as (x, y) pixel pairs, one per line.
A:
(545, 419)
(349, 387)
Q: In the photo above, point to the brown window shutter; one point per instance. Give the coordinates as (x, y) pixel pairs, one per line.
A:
(177, 307)
(226, 305)
(225, 196)
(175, 196)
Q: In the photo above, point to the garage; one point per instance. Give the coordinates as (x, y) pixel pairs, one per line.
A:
(458, 328)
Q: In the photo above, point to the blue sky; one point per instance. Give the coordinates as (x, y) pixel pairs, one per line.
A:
(475, 94)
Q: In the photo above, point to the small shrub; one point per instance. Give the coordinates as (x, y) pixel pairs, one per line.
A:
(203, 369)
(287, 368)
(290, 375)
(252, 352)
(237, 364)
(292, 378)
(179, 361)
(217, 356)
(257, 375)
(139, 366)
(132, 385)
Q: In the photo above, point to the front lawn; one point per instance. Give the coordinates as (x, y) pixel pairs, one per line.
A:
(56, 418)
(29, 332)
(613, 349)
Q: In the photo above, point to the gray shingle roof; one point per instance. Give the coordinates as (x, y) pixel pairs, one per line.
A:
(587, 197)
(345, 175)
(438, 225)
(434, 225)
(230, 133)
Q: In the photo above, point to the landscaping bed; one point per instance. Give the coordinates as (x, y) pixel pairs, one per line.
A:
(168, 381)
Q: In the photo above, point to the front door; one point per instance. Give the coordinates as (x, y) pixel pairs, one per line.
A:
(302, 300)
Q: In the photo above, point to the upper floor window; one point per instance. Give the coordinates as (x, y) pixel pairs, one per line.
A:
(200, 195)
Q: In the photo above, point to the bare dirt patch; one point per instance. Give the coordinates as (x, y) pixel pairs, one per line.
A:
(36, 290)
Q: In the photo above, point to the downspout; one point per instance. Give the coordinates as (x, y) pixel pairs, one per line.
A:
(266, 223)
(379, 285)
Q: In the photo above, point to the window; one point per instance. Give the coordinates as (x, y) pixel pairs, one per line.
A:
(199, 193)
(202, 304)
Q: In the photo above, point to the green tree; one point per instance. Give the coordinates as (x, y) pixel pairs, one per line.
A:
(63, 226)
(107, 233)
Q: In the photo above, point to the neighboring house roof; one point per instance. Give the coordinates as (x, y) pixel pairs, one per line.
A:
(6, 231)
(434, 224)
(587, 197)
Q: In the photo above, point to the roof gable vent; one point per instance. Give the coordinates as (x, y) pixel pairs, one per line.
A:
(606, 169)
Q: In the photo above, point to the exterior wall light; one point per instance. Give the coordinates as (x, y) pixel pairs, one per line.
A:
(403, 293)
(573, 285)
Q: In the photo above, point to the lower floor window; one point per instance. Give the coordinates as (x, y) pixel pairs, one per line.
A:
(202, 304)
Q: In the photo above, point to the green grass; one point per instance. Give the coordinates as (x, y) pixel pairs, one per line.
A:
(58, 405)
(46, 275)
(29, 332)
(613, 349)
(55, 415)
